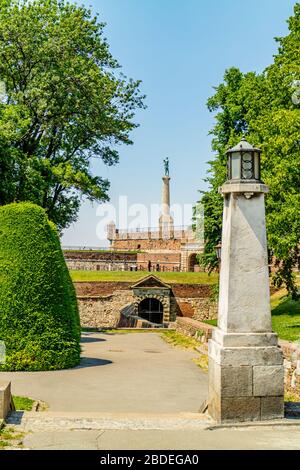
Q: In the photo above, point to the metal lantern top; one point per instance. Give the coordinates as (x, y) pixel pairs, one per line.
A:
(243, 163)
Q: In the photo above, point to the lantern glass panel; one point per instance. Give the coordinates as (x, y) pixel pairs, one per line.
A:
(235, 166)
(247, 166)
(256, 166)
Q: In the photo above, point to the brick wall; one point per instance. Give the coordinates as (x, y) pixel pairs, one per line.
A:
(98, 289)
(145, 244)
(166, 261)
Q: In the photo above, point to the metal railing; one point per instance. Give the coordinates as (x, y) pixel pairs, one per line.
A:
(152, 229)
(85, 248)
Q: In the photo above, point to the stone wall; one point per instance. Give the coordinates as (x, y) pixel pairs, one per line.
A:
(199, 309)
(90, 265)
(105, 311)
(100, 261)
(101, 303)
(193, 328)
(291, 351)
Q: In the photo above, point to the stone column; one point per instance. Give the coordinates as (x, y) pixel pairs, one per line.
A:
(246, 376)
(166, 224)
(5, 399)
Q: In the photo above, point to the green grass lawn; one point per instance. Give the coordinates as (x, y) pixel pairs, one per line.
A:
(23, 403)
(134, 276)
(285, 316)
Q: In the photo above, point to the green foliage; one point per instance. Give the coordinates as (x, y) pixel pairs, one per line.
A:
(262, 106)
(214, 296)
(63, 102)
(39, 320)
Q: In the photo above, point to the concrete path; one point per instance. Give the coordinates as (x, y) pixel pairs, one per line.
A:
(162, 431)
(134, 372)
(253, 439)
(189, 437)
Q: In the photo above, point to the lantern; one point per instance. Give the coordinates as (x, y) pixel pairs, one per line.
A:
(243, 164)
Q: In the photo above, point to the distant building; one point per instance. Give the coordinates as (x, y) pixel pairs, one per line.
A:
(165, 248)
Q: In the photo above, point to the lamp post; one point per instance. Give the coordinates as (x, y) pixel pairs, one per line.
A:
(218, 249)
(245, 364)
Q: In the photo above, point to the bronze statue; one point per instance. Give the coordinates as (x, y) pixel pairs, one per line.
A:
(166, 164)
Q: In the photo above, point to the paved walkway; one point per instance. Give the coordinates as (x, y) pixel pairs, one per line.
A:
(250, 439)
(134, 372)
(190, 431)
(132, 391)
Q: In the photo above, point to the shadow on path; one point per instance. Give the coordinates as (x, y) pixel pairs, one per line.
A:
(85, 339)
(92, 362)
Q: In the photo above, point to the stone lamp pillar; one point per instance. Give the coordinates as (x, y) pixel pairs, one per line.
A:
(246, 376)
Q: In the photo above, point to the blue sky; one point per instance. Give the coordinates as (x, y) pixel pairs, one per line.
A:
(180, 50)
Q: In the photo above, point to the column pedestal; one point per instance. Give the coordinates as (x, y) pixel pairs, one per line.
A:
(245, 382)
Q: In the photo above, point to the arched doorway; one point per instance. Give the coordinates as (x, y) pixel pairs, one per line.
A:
(192, 262)
(151, 310)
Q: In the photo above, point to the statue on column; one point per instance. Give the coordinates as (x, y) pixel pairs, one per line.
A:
(166, 165)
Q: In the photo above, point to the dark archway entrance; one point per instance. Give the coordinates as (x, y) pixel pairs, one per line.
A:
(151, 310)
(192, 262)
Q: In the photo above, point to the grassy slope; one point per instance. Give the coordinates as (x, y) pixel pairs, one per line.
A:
(134, 276)
(285, 316)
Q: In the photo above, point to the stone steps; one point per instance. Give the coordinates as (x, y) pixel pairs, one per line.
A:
(62, 421)
(42, 421)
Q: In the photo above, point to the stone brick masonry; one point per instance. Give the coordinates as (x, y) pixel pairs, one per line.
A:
(101, 303)
(103, 311)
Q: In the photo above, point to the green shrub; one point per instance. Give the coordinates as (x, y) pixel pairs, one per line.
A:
(39, 319)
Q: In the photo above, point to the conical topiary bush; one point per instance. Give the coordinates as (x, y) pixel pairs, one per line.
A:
(39, 320)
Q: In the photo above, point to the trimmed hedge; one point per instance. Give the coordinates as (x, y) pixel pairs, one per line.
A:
(39, 319)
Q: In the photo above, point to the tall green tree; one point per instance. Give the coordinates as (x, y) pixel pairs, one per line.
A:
(265, 107)
(63, 102)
